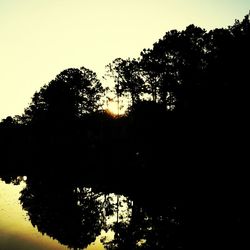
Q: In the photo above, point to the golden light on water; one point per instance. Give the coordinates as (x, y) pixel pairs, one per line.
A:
(16, 231)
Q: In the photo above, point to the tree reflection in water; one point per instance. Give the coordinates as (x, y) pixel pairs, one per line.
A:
(75, 215)
(146, 231)
(72, 215)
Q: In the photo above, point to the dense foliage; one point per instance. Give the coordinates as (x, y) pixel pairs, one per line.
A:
(182, 140)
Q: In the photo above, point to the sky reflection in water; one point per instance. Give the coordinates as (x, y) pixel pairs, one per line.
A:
(80, 217)
(16, 231)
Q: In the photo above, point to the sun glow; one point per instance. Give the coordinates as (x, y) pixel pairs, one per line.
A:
(113, 107)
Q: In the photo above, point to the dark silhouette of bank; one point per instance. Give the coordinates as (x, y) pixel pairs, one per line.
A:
(181, 145)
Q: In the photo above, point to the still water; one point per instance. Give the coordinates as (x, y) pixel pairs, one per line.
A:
(43, 212)
(16, 230)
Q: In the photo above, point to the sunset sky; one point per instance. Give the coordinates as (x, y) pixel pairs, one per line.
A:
(40, 38)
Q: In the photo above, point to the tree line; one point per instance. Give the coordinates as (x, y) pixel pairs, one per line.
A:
(187, 95)
(185, 71)
(183, 137)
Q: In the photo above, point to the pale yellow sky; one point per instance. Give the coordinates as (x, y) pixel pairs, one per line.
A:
(40, 38)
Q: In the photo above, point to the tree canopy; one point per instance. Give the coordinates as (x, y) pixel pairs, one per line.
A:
(73, 93)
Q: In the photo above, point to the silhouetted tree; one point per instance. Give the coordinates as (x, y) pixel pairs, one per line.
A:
(11, 122)
(159, 68)
(127, 77)
(71, 94)
(173, 67)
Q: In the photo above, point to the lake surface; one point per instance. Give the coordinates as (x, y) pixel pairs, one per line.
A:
(16, 230)
(55, 212)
